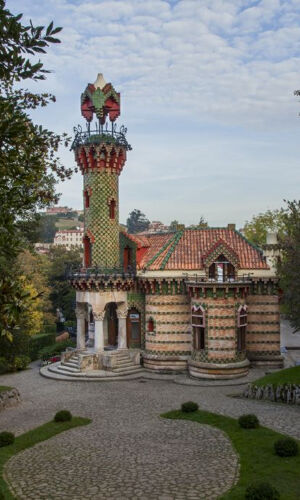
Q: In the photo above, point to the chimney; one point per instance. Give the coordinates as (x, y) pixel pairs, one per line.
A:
(271, 239)
(231, 227)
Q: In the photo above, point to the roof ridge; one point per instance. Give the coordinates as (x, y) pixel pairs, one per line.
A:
(174, 244)
(249, 242)
(160, 251)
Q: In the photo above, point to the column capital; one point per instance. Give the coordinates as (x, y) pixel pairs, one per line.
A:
(80, 312)
(122, 312)
(98, 315)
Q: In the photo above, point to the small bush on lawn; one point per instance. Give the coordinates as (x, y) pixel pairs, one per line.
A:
(189, 406)
(286, 447)
(261, 491)
(249, 421)
(21, 362)
(6, 438)
(63, 416)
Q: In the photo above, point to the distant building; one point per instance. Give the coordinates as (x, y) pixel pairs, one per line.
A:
(69, 238)
(58, 210)
(42, 248)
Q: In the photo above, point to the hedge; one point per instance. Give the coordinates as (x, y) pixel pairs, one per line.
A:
(38, 342)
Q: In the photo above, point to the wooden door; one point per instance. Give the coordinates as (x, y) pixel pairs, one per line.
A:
(112, 324)
(134, 328)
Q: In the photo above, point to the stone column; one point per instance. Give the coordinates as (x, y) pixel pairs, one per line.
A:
(80, 315)
(99, 336)
(122, 312)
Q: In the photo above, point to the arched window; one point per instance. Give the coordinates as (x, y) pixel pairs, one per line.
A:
(150, 325)
(241, 330)
(86, 199)
(221, 270)
(198, 327)
(87, 247)
(112, 209)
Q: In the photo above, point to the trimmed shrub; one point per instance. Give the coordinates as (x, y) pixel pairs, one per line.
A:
(38, 342)
(286, 447)
(63, 416)
(55, 349)
(248, 421)
(262, 491)
(4, 366)
(2, 497)
(6, 438)
(189, 406)
(21, 362)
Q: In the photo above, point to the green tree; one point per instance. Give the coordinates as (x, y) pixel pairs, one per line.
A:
(29, 163)
(270, 221)
(137, 222)
(289, 264)
(202, 224)
(46, 228)
(176, 226)
(62, 295)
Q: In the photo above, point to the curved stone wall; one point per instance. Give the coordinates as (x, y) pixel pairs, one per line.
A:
(220, 358)
(169, 345)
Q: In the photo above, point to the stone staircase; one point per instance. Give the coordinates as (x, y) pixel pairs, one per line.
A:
(123, 364)
(71, 366)
(120, 366)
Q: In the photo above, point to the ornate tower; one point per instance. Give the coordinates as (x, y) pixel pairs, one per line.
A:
(101, 155)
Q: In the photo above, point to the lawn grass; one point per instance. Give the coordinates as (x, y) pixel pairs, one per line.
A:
(31, 438)
(286, 376)
(4, 388)
(255, 448)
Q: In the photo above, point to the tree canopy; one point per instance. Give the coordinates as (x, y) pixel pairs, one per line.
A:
(289, 264)
(257, 228)
(137, 222)
(29, 161)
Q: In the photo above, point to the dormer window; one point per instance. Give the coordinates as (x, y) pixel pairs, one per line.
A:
(221, 270)
(112, 209)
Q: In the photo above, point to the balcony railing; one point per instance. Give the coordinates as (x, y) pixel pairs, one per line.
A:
(97, 273)
(99, 135)
(220, 280)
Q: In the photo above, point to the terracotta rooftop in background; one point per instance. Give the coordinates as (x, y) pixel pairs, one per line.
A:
(185, 250)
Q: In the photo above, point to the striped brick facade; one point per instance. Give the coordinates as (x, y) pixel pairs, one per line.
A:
(169, 345)
(263, 329)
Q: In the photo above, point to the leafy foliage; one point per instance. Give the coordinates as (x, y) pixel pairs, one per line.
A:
(29, 164)
(261, 491)
(137, 222)
(6, 438)
(289, 265)
(189, 406)
(55, 349)
(286, 447)
(63, 416)
(270, 221)
(46, 228)
(248, 421)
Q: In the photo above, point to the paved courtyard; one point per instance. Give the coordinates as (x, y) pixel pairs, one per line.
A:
(128, 451)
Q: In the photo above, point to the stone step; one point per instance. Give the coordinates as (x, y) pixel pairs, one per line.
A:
(128, 369)
(125, 362)
(68, 369)
(70, 362)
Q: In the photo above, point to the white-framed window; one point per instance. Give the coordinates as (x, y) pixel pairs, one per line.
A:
(198, 327)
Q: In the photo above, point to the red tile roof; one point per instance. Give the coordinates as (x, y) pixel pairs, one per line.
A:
(186, 250)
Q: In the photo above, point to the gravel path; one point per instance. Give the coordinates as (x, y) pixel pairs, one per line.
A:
(128, 451)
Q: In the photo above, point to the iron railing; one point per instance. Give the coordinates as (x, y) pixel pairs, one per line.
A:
(103, 273)
(99, 135)
(196, 279)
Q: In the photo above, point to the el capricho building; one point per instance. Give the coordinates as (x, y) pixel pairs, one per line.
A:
(203, 301)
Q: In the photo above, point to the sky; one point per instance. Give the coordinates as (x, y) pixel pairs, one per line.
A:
(207, 95)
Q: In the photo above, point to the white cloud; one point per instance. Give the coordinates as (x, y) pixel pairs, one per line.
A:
(209, 63)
